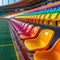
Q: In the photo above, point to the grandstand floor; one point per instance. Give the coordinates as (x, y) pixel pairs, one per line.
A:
(7, 51)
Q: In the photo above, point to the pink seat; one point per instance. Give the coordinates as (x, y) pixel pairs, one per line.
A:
(32, 34)
(26, 31)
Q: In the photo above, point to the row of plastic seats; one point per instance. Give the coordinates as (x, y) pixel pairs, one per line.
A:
(48, 10)
(41, 10)
(25, 30)
(49, 15)
(47, 19)
(52, 5)
(51, 54)
(40, 43)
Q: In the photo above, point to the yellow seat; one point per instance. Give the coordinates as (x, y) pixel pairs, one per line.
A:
(53, 19)
(27, 18)
(17, 17)
(37, 18)
(41, 42)
(34, 20)
(31, 19)
(51, 54)
(58, 23)
(46, 19)
(58, 20)
(41, 18)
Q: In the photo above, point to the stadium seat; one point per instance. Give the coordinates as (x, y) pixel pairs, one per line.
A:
(25, 31)
(32, 34)
(58, 20)
(21, 26)
(46, 19)
(42, 42)
(53, 19)
(34, 20)
(41, 18)
(58, 23)
(51, 54)
(38, 18)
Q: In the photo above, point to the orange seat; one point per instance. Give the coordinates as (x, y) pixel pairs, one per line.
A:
(30, 20)
(51, 54)
(34, 20)
(41, 42)
(31, 34)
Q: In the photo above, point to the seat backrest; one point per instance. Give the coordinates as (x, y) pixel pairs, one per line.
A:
(47, 16)
(58, 17)
(45, 36)
(35, 30)
(42, 16)
(25, 26)
(20, 23)
(56, 46)
(34, 19)
(38, 16)
(53, 16)
(37, 19)
(29, 28)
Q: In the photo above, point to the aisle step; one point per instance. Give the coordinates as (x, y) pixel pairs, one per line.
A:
(5, 39)
(7, 53)
(7, 50)
(4, 32)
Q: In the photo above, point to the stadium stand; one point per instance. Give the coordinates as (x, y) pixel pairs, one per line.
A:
(31, 30)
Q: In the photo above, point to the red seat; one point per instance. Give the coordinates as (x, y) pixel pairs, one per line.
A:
(31, 34)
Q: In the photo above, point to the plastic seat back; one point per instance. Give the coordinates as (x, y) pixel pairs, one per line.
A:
(37, 19)
(56, 46)
(20, 23)
(45, 37)
(42, 42)
(46, 16)
(34, 20)
(46, 19)
(42, 18)
(51, 54)
(58, 17)
(58, 23)
(53, 16)
(29, 28)
(53, 19)
(34, 31)
(58, 20)
(25, 26)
